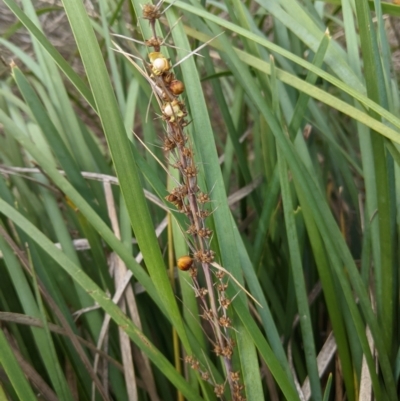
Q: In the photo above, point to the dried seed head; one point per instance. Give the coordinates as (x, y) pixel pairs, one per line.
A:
(219, 390)
(151, 12)
(205, 233)
(187, 152)
(192, 229)
(153, 42)
(194, 363)
(203, 198)
(237, 389)
(168, 145)
(225, 321)
(220, 274)
(180, 139)
(225, 302)
(184, 263)
(222, 287)
(208, 314)
(180, 191)
(204, 256)
(227, 352)
(190, 171)
(235, 376)
(203, 214)
(205, 376)
(177, 87)
(217, 350)
(201, 292)
(188, 359)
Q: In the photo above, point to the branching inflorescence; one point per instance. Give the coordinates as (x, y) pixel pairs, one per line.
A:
(190, 200)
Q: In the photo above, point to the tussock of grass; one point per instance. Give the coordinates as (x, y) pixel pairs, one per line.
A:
(298, 124)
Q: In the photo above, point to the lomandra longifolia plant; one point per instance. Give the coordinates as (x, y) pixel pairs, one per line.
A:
(188, 199)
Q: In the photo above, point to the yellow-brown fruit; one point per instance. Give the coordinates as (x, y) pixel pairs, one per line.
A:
(159, 63)
(172, 110)
(184, 263)
(177, 87)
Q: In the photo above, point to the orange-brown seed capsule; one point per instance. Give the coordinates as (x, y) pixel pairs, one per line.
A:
(184, 263)
(177, 87)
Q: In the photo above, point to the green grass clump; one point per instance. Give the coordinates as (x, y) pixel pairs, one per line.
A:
(289, 123)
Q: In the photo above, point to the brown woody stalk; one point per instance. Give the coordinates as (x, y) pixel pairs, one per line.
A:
(188, 199)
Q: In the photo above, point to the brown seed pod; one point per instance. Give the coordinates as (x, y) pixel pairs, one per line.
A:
(153, 42)
(225, 321)
(187, 152)
(151, 12)
(168, 144)
(168, 77)
(205, 233)
(190, 171)
(177, 87)
(203, 198)
(205, 375)
(171, 198)
(219, 390)
(184, 263)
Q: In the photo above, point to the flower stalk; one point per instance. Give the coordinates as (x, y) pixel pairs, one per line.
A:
(191, 201)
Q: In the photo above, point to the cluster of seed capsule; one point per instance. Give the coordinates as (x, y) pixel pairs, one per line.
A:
(190, 200)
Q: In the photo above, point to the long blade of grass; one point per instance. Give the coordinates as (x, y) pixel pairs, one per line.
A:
(14, 372)
(299, 284)
(376, 91)
(122, 157)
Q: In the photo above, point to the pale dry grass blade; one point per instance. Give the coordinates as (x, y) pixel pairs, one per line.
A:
(324, 358)
(86, 174)
(194, 52)
(122, 287)
(366, 382)
(119, 272)
(244, 192)
(293, 370)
